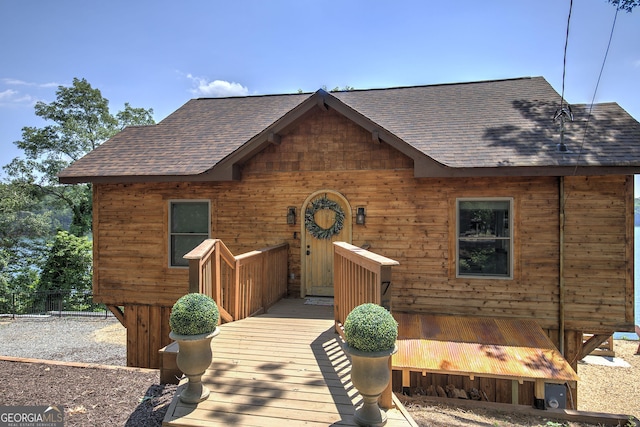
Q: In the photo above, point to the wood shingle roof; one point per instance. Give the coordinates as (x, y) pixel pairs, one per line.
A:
(500, 127)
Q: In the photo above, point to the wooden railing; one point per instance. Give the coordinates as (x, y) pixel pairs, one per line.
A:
(242, 285)
(359, 277)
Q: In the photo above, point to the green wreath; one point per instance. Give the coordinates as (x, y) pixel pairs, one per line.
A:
(310, 222)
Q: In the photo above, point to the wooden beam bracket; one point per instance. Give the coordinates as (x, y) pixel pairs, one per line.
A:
(274, 138)
(375, 136)
(591, 344)
(323, 105)
(117, 311)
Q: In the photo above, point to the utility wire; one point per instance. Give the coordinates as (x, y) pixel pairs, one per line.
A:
(564, 113)
(564, 61)
(593, 98)
(595, 91)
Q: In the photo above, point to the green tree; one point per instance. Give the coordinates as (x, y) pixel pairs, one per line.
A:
(81, 121)
(23, 228)
(626, 5)
(347, 88)
(67, 268)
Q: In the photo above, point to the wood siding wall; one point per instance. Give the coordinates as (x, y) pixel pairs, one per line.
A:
(599, 253)
(410, 220)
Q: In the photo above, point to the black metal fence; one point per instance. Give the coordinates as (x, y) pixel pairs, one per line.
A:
(51, 303)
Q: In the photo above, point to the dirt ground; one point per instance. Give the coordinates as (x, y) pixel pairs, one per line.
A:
(91, 396)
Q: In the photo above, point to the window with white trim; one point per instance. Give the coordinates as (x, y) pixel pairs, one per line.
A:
(189, 225)
(484, 237)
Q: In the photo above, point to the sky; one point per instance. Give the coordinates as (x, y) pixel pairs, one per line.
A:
(159, 54)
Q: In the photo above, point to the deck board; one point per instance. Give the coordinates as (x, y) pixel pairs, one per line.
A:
(515, 349)
(283, 368)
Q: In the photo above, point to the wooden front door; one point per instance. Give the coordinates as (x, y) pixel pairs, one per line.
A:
(326, 219)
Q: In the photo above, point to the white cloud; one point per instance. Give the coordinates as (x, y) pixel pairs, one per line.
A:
(13, 97)
(9, 93)
(14, 82)
(25, 99)
(20, 93)
(216, 88)
(17, 82)
(52, 84)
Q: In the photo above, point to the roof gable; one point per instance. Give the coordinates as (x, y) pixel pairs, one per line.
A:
(187, 143)
(465, 129)
(341, 146)
(506, 123)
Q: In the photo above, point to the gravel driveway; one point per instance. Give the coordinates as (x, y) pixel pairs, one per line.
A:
(70, 339)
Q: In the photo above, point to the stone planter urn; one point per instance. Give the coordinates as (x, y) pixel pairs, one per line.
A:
(194, 323)
(193, 359)
(370, 374)
(370, 334)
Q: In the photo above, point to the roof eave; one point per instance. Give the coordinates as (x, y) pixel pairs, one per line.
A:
(426, 170)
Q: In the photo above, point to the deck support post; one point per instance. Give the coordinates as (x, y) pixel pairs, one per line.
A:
(538, 395)
(386, 398)
(515, 392)
(194, 275)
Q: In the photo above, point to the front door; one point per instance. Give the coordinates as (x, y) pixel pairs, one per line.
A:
(327, 219)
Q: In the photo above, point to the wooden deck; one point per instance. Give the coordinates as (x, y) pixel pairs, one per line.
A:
(284, 368)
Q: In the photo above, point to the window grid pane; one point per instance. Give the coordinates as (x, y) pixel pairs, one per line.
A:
(480, 258)
(182, 245)
(188, 228)
(190, 217)
(484, 238)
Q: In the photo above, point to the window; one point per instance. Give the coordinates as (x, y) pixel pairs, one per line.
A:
(484, 240)
(188, 227)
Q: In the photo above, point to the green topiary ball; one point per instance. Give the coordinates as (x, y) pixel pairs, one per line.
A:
(371, 328)
(194, 314)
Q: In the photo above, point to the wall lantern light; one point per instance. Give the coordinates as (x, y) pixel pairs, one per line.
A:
(291, 215)
(360, 215)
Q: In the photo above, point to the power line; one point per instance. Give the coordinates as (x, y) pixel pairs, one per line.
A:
(564, 113)
(595, 91)
(564, 60)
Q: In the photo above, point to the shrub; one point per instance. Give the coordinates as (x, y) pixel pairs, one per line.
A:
(69, 264)
(371, 328)
(194, 314)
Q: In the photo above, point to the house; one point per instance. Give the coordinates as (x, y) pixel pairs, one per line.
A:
(491, 209)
